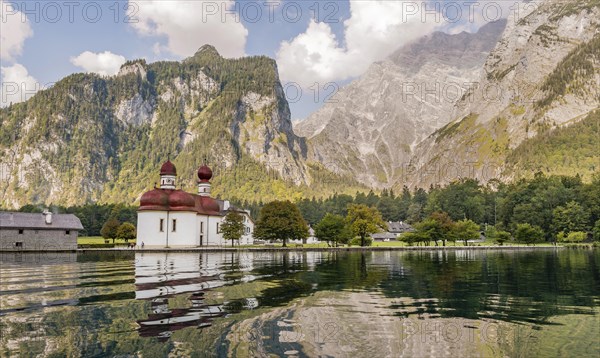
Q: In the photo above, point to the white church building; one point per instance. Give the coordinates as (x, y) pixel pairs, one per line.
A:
(169, 217)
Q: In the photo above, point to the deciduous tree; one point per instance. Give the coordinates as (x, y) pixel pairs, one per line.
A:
(466, 230)
(333, 228)
(126, 231)
(364, 220)
(232, 227)
(528, 233)
(110, 228)
(571, 217)
(280, 220)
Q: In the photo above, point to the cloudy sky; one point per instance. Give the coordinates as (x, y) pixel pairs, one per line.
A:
(315, 43)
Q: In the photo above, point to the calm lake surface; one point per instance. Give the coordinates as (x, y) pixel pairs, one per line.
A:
(538, 303)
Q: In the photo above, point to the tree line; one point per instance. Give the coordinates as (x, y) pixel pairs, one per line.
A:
(542, 208)
(283, 221)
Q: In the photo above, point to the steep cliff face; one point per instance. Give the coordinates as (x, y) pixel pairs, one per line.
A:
(543, 74)
(371, 126)
(92, 138)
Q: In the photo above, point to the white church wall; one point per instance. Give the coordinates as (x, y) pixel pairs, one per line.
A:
(149, 229)
(184, 234)
(215, 236)
(202, 229)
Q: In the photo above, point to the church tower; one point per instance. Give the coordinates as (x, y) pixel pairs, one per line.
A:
(168, 175)
(204, 176)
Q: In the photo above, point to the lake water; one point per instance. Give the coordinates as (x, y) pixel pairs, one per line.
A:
(538, 303)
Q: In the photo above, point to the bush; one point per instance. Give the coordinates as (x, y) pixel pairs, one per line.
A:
(410, 238)
(574, 236)
(356, 241)
(528, 233)
(577, 236)
(502, 237)
(596, 230)
(126, 231)
(498, 235)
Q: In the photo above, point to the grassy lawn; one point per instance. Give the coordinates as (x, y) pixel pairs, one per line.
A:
(94, 240)
(388, 243)
(91, 240)
(321, 245)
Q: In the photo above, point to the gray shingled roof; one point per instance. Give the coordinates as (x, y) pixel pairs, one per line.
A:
(399, 227)
(383, 236)
(38, 221)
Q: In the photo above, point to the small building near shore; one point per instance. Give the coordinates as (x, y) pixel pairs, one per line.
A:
(399, 227)
(311, 239)
(395, 228)
(38, 231)
(384, 236)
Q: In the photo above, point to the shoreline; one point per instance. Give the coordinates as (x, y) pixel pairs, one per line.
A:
(294, 249)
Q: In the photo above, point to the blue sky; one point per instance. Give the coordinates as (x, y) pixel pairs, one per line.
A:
(316, 43)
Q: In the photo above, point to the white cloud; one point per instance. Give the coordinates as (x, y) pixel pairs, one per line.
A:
(190, 24)
(374, 30)
(105, 63)
(157, 49)
(16, 84)
(14, 30)
(477, 14)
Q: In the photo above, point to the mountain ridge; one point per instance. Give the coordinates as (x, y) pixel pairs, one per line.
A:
(358, 134)
(418, 118)
(546, 69)
(102, 139)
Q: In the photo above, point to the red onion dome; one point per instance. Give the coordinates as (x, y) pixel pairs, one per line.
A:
(168, 169)
(180, 200)
(154, 199)
(204, 173)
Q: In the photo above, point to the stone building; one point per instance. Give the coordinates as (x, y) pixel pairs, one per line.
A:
(40, 232)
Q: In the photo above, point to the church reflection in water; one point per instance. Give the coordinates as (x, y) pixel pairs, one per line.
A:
(163, 321)
(165, 278)
(159, 277)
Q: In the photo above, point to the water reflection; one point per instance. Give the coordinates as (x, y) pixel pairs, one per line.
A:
(159, 276)
(163, 321)
(388, 304)
(163, 275)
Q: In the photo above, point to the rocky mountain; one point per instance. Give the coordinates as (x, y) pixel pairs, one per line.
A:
(370, 128)
(542, 78)
(102, 139)
(518, 96)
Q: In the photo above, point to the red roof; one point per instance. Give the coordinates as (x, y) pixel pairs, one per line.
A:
(167, 200)
(178, 200)
(168, 169)
(207, 205)
(157, 199)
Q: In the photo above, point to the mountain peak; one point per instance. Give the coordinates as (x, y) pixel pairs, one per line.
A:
(136, 66)
(493, 28)
(208, 49)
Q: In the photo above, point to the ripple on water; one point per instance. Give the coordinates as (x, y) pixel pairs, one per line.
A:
(300, 303)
